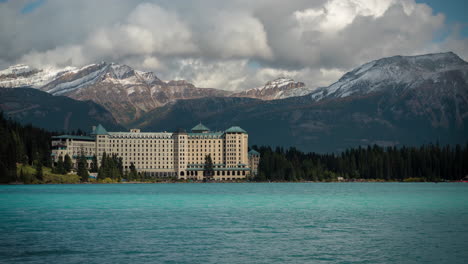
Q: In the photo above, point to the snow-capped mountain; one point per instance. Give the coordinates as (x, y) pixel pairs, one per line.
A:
(129, 94)
(23, 75)
(111, 73)
(125, 92)
(397, 73)
(276, 89)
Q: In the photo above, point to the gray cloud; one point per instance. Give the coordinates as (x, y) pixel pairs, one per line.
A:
(235, 45)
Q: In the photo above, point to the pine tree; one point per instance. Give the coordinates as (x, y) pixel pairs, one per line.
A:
(208, 170)
(102, 171)
(133, 172)
(82, 171)
(94, 164)
(39, 173)
(3, 171)
(59, 168)
(10, 163)
(67, 164)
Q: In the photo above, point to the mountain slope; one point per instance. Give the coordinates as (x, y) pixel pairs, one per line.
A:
(54, 113)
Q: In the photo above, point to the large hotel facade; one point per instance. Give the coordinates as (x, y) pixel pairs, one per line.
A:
(167, 154)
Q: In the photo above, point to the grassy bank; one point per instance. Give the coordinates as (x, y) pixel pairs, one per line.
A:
(26, 175)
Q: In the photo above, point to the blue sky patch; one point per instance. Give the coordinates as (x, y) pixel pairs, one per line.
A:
(31, 6)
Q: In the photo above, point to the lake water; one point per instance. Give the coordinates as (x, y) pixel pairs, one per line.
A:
(235, 223)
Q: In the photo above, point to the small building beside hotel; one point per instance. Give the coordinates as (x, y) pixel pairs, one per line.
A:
(254, 160)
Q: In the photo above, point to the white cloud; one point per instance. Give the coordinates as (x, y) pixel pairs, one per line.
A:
(59, 56)
(337, 14)
(149, 30)
(223, 74)
(235, 35)
(211, 43)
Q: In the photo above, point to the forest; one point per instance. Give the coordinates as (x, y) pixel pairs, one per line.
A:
(22, 144)
(25, 158)
(373, 163)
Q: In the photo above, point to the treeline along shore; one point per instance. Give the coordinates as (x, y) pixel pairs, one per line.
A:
(373, 163)
(25, 157)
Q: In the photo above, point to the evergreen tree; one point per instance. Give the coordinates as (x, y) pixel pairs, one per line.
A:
(59, 168)
(67, 164)
(133, 175)
(82, 170)
(208, 170)
(102, 171)
(39, 173)
(428, 163)
(111, 167)
(94, 164)
(9, 163)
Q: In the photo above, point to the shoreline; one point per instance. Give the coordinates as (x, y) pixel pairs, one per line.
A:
(198, 182)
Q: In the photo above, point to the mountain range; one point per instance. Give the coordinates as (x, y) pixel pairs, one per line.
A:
(398, 100)
(123, 91)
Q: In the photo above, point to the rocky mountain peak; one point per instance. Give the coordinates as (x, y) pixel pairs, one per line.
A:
(121, 71)
(150, 78)
(281, 81)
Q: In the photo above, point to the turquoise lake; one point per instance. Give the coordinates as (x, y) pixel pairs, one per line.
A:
(235, 223)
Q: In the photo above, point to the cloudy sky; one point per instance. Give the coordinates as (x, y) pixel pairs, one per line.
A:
(231, 45)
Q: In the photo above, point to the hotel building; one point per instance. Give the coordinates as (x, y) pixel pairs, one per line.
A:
(166, 154)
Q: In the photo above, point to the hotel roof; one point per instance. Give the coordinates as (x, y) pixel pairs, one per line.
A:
(235, 129)
(200, 128)
(86, 138)
(254, 152)
(100, 130)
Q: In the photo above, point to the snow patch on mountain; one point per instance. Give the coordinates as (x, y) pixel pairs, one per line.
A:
(16, 69)
(302, 91)
(67, 86)
(25, 76)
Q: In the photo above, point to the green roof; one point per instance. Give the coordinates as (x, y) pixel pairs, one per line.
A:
(100, 130)
(199, 128)
(73, 137)
(235, 129)
(254, 152)
(206, 135)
